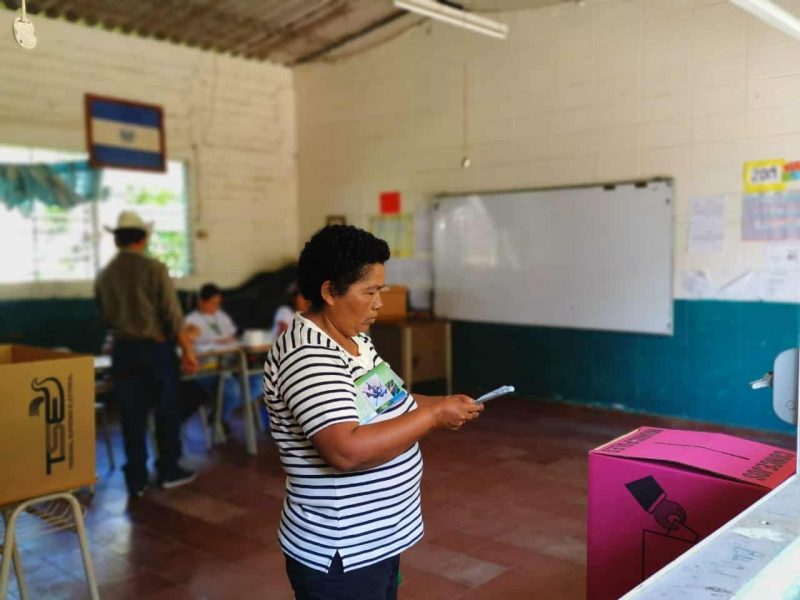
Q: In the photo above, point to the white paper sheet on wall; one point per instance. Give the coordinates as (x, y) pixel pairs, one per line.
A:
(707, 225)
(781, 256)
(779, 285)
(696, 284)
(771, 285)
(741, 287)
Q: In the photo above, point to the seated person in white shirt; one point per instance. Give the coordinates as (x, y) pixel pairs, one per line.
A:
(215, 328)
(284, 314)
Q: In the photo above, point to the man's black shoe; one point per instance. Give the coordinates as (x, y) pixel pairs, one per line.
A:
(177, 478)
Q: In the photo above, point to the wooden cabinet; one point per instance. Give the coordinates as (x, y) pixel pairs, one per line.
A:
(417, 349)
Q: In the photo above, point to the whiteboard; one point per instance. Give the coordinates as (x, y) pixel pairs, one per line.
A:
(594, 257)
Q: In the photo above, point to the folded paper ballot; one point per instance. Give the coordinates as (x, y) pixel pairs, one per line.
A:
(501, 391)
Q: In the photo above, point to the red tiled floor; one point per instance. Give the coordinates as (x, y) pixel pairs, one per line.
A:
(504, 503)
(419, 584)
(171, 593)
(523, 581)
(457, 540)
(140, 583)
(505, 554)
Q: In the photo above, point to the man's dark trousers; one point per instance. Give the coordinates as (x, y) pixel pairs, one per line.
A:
(146, 377)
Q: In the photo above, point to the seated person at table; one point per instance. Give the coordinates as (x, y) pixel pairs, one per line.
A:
(215, 325)
(296, 303)
(193, 393)
(216, 328)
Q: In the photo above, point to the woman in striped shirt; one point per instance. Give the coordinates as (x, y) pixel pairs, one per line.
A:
(352, 487)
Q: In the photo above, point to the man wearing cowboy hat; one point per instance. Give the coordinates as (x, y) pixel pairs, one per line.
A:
(138, 305)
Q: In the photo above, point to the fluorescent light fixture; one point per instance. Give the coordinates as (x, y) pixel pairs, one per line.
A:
(771, 14)
(454, 16)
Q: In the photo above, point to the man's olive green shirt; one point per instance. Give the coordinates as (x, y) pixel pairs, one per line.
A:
(136, 298)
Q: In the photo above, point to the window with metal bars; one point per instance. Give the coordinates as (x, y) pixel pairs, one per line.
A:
(57, 244)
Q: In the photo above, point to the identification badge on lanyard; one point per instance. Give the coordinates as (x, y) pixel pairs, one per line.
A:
(378, 390)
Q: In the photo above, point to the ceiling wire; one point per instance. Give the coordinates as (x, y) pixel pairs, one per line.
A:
(465, 159)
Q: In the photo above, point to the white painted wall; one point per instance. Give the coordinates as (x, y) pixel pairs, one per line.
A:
(232, 120)
(616, 90)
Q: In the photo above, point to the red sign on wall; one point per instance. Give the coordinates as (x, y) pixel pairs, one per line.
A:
(390, 203)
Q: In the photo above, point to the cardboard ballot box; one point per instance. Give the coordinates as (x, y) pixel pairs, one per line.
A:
(47, 422)
(654, 493)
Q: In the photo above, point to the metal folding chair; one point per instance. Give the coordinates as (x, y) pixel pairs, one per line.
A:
(56, 512)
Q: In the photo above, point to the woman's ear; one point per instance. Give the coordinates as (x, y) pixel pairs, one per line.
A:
(327, 293)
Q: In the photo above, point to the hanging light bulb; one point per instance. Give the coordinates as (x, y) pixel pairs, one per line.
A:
(24, 32)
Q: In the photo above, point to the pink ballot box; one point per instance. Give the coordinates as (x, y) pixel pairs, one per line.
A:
(654, 493)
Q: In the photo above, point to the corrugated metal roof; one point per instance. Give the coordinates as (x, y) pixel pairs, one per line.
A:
(281, 31)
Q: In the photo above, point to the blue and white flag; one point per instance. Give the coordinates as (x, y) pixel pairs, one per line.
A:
(125, 135)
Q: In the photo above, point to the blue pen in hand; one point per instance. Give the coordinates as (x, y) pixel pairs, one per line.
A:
(501, 391)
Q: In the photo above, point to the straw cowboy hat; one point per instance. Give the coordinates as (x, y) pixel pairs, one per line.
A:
(129, 219)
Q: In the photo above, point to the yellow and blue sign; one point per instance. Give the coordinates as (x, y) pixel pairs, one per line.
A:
(764, 176)
(125, 135)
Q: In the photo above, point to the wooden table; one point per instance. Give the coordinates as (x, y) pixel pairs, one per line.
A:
(417, 349)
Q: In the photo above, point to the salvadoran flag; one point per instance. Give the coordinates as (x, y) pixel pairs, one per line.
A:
(125, 135)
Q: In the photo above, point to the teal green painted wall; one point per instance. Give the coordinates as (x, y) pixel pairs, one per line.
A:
(699, 373)
(70, 322)
(702, 372)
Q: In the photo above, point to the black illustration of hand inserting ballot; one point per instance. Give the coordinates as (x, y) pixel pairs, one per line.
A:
(651, 497)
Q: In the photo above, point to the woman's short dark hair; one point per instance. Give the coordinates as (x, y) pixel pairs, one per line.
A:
(340, 254)
(209, 290)
(126, 236)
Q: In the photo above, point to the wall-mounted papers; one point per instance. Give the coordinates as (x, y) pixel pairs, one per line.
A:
(781, 256)
(397, 231)
(791, 171)
(767, 217)
(696, 284)
(707, 225)
(124, 135)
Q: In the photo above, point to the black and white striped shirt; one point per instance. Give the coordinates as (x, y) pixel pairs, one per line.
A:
(365, 516)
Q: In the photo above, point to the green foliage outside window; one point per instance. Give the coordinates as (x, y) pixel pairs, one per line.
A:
(169, 246)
